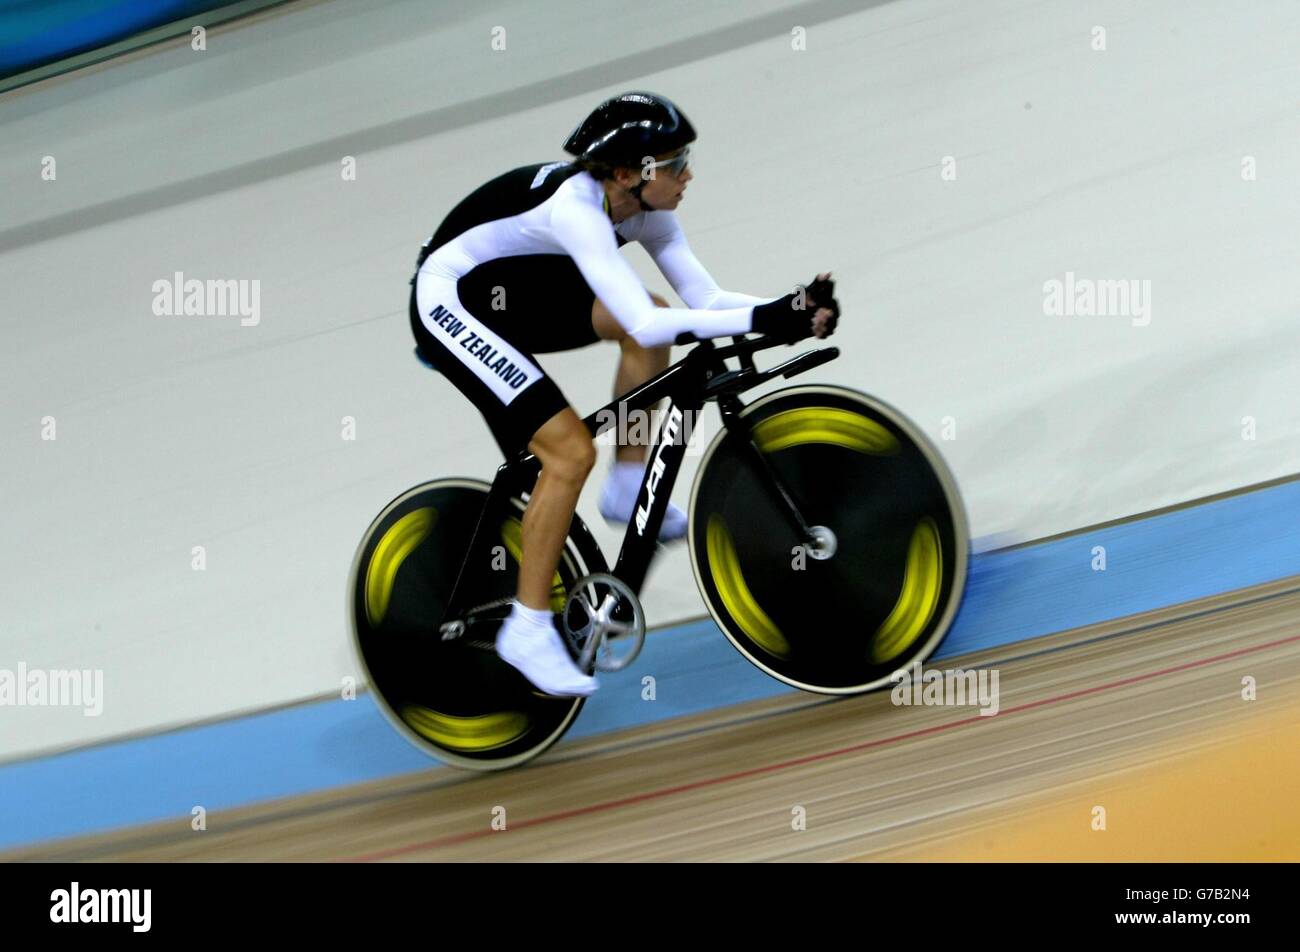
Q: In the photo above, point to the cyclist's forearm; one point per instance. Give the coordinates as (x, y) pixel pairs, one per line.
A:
(665, 324)
(587, 238)
(690, 279)
(726, 299)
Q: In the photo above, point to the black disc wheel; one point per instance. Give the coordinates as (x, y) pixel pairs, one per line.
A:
(453, 697)
(880, 587)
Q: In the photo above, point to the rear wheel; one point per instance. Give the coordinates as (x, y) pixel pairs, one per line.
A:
(454, 699)
(883, 585)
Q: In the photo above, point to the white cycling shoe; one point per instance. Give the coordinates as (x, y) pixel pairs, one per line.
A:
(529, 642)
(619, 495)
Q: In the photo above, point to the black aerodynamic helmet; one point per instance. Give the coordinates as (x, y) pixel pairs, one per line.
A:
(629, 127)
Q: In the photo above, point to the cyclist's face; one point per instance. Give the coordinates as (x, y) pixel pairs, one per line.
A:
(666, 188)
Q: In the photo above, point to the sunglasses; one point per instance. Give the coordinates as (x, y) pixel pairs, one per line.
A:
(675, 165)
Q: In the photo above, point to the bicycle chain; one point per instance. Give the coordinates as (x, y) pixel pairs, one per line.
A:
(488, 606)
(478, 610)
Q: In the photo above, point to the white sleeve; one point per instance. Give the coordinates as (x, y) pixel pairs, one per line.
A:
(663, 238)
(585, 233)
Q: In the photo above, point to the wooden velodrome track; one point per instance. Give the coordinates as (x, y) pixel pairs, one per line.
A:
(1143, 715)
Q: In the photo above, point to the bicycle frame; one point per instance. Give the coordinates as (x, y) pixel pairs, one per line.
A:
(700, 377)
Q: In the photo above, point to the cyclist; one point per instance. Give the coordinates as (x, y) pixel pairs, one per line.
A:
(529, 263)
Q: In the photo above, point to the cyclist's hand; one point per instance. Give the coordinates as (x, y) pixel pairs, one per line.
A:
(821, 297)
(810, 311)
(820, 289)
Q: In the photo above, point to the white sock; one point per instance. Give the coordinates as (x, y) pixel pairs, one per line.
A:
(623, 488)
(535, 617)
(625, 479)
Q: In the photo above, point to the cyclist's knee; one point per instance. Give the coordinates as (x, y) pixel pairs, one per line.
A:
(581, 451)
(565, 448)
(574, 459)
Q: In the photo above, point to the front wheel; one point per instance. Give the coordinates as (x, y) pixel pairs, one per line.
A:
(880, 589)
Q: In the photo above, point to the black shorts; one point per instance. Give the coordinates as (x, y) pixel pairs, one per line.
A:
(483, 334)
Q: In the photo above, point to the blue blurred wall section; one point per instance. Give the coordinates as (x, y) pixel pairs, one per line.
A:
(36, 32)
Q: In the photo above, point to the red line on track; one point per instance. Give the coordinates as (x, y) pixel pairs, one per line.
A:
(799, 761)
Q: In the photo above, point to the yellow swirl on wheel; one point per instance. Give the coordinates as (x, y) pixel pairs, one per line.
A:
(512, 534)
(918, 598)
(837, 427)
(740, 603)
(472, 734)
(398, 542)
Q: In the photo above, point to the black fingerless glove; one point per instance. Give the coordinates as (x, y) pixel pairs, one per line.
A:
(822, 294)
(819, 292)
(781, 319)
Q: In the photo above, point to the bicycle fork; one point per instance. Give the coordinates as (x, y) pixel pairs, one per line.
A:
(818, 541)
(665, 464)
